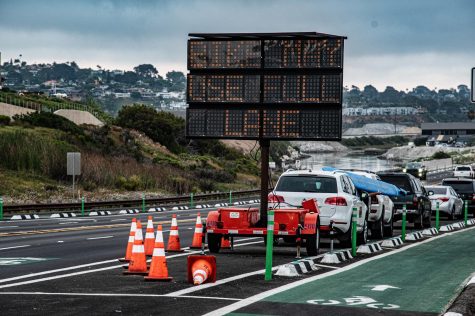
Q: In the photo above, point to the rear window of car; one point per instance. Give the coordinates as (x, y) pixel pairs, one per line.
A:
(437, 190)
(460, 186)
(413, 166)
(462, 169)
(307, 184)
(399, 181)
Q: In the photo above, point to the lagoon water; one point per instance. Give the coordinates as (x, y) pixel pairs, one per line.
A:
(345, 161)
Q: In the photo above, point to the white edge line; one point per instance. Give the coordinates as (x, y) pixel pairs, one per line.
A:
(119, 295)
(102, 237)
(14, 247)
(95, 270)
(253, 299)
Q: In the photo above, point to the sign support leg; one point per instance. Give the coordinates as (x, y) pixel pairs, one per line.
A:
(265, 144)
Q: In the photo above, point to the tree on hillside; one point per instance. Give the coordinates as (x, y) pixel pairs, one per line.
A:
(370, 92)
(128, 77)
(146, 70)
(162, 127)
(390, 95)
(175, 77)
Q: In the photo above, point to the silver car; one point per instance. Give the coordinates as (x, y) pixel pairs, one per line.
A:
(449, 201)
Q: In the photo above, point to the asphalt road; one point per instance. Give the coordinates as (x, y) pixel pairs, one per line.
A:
(69, 266)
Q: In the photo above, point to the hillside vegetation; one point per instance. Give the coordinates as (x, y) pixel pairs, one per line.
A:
(143, 150)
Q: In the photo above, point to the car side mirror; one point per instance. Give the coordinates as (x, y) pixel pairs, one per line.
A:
(430, 193)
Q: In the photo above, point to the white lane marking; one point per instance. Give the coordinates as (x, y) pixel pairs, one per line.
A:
(60, 241)
(253, 299)
(102, 237)
(222, 281)
(118, 220)
(118, 295)
(325, 266)
(9, 226)
(65, 223)
(14, 247)
(95, 270)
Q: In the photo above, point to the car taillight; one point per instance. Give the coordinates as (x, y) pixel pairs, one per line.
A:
(272, 198)
(444, 199)
(473, 197)
(414, 201)
(336, 200)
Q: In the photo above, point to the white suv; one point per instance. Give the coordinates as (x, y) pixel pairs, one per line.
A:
(381, 210)
(465, 171)
(336, 197)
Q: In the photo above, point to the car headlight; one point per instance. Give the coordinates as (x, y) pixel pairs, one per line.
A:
(404, 170)
(420, 170)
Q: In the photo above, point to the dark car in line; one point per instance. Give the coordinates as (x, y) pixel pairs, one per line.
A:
(465, 188)
(418, 204)
(416, 169)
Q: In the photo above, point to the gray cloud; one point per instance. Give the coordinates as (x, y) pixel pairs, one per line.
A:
(125, 33)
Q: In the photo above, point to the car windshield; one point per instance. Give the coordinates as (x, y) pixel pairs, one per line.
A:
(413, 165)
(460, 186)
(463, 169)
(437, 190)
(399, 181)
(307, 184)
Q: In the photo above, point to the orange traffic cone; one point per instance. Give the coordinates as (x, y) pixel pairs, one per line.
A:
(128, 251)
(201, 269)
(149, 237)
(174, 238)
(225, 243)
(158, 267)
(138, 262)
(198, 235)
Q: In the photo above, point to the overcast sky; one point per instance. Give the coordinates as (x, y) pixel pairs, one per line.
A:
(401, 43)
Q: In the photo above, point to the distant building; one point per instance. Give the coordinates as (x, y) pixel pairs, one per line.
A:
(452, 128)
(380, 111)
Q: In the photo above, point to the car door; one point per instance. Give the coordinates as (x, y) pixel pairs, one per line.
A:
(457, 201)
(360, 205)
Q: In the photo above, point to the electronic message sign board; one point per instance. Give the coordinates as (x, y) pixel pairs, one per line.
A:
(265, 86)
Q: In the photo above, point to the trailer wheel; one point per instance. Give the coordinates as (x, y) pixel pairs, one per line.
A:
(214, 243)
(313, 242)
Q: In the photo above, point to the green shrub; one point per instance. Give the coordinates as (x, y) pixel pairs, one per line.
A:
(50, 120)
(440, 155)
(4, 120)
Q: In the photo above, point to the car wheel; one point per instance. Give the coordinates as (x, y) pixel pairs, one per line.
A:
(389, 229)
(419, 221)
(362, 237)
(377, 229)
(313, 243)
(426, 222)
(452, 214)
(214, 243)
(345, 239)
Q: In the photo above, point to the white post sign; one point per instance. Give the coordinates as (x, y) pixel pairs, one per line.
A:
(73, 166)
(271, 164)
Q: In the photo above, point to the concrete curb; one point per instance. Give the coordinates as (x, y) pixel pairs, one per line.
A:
(459, 225)
(100, 213)
(129, 212)
(200, 206)
(414, 236)
(156, 209)
(337, 257)
(27, 216)
(180, 208)
(392, 242)
(369, 248)
(297, 268)
(430, 232)
(240, 203)
(62, 215)
(446, 228)
(471, 222)
(254, 201)
(221, 204)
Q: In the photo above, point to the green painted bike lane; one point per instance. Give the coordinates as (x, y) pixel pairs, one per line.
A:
(424, 278)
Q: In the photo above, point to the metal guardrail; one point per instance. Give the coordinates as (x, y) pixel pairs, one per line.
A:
(9, 209)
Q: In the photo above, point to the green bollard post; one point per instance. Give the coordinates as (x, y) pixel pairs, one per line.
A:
(82, 206)
(230, 197)
(403, 228)
(354, 220)
(143, 202)
(1, 208)
(465, 213)
(270, 244)
(437, 224)
(191, 200)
